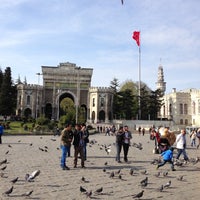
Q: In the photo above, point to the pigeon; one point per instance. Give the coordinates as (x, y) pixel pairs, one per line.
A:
(120, 176)
(27, 194)
(160, 189)
(143, 172)
(131, 171)
(2, 175)
(89, 194)
(139, 195)
(7, 152)
(8, 192)
(112, 174)
(9, 146)
(106, 163)
(3, 162)
(167, 185)
(82, 189)
(98, 191)
(165, 174)
(104, 169)
(3, 168)
(180, 178)
(32, 176)
(14, 180)
(144, 182)
(83, 179)
(118, 172)
(157, 175)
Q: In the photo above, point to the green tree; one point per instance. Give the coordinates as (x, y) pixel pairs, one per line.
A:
(8, 94)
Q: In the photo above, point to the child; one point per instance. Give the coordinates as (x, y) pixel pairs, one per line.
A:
(167, 157)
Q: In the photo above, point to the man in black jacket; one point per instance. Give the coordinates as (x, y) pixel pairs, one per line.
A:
(78, 143)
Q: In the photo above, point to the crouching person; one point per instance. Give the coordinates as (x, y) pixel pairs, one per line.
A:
(167, 157)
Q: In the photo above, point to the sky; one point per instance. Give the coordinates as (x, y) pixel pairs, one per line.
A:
(98, 34)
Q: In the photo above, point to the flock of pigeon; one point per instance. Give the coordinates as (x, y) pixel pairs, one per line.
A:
(144, 178)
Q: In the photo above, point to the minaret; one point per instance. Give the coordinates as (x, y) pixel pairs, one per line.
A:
(161, 84)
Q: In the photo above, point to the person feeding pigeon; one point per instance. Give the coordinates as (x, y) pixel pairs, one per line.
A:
(167, 157)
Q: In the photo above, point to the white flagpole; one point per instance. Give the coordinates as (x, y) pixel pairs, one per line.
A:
(139, 84)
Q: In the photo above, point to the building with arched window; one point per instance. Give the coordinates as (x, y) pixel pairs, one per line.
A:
(66, 81)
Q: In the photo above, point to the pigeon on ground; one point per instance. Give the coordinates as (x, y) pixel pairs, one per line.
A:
(112, 174)
(144, 182)
(98, 191)
(27, 194)
(157, 175)
(89, 194)
(160, 189)
(165, 174)
(139, 195)
(3, 168)
(7, 152)
(8, 192)
(9, 146)
(3, 162)
(167, 185)
(82, 189)
(131, 171)
(180, 178)
(14, 180)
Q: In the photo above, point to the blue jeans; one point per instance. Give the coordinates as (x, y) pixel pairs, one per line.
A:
(182, 151)
(118, 148)
(65, 150)
(85, 150)
(165, 161)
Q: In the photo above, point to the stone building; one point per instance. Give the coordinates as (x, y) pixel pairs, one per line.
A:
(65, 80)
(181, 107)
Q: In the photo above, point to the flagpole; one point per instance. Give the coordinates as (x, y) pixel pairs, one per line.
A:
(139, 83)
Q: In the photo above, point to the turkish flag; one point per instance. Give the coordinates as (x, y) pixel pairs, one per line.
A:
(136, 37)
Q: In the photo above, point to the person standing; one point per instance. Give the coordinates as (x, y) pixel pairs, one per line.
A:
(181, 145)
(1, 132)
(86, 138)
(119, 142)
(65, 145)
(126, 142)
(78, 143)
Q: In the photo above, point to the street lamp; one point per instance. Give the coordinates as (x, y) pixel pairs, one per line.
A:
(77, 94)
(37, 95)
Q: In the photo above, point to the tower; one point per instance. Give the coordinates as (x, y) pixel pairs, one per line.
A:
(161, 84)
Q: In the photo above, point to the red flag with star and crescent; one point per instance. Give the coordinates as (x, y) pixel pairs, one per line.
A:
(136, 37)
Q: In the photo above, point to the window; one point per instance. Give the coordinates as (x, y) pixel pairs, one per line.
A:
(102, 102)
(181, 121)
(185, 109)
(28, 100)
(93, 102)
(186, 122)
(170, 108)
(193, 108)
(181, 108)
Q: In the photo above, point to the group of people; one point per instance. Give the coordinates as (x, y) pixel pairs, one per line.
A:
(123, 138)
(79, 138)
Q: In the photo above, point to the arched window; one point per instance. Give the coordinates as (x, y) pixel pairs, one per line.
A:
(181, 108)
(186, 122)
(185, 109)
(181, 121)
(28, 100)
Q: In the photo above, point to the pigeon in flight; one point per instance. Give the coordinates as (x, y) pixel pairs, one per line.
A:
(32, 176)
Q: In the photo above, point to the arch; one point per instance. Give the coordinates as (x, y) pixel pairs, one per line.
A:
(27, 112)
(93, 116)
(102, 116)
(48, 110)
(60, 97)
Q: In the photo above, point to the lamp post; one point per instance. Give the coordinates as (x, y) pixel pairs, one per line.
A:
(77, 93)
(37, 95)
